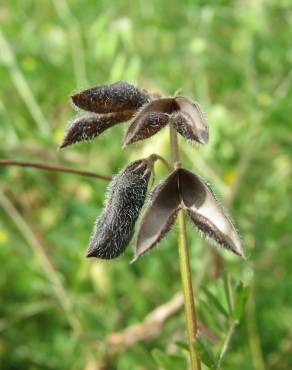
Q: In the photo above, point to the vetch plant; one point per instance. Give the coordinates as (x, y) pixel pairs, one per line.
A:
(181, 193)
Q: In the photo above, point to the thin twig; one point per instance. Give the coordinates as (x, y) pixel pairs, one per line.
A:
(163, 160)
(55, 168)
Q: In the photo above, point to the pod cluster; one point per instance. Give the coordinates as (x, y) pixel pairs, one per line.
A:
(108, 105)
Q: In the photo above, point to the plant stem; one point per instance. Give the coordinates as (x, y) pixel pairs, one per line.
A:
(226, 343)
(184, 264)
(253, 334)
(163, 160)
(55, 168)
(185, 270)
(174, 147)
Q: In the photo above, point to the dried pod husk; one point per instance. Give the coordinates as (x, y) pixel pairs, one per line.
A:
(89, 126)
(110, 98)
(160, 215)
(114, 229)
(206, 212)
(150, 119)
(189, 121)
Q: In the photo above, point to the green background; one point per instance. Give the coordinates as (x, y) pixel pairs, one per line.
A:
(234, 57)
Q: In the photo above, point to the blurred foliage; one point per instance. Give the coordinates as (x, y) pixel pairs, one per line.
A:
(234, 57)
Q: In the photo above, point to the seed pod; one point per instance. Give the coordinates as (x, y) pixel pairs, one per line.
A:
(183, 189)
(115, 97)
(90, 125)
(189, 121)
(160, 215)
(114, 229)
(185, 115)
(150, 119)
(206, 212)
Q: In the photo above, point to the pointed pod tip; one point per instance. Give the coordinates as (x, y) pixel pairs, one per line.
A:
(134, 259)
(241, 254)
(74, 97)
(62, 145)
(239, 251)
(204, 137)
(127, 141)
(90, 253)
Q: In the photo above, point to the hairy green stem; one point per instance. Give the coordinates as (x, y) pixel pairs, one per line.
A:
(185, 270)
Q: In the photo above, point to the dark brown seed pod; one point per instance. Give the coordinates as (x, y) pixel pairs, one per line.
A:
(185, 115)
(114, 229)
(160, 215)
(183, 189)
(115, 97)
(90, 125)
(150, 119)
(189, 121)
(206, 212)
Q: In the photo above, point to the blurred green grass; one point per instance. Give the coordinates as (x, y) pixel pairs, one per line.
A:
(234, 57)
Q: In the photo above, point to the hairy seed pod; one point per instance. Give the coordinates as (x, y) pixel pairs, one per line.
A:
(159, 216)
(114, 229)
(90, 125)
(184, 189)
(189, 121)
(185, 115)
(110, 98)
(150, 119)
(207, 213)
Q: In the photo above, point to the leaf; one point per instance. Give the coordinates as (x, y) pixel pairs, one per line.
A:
(182, 345)
(240, 301)
(89, 126)
(189, 121)
(209, 314)
(228, 291)
(205, 353)
(206, 212)
(168, 362)
(110, 98)
(160, 215)
(149, 120)
(214, 300)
